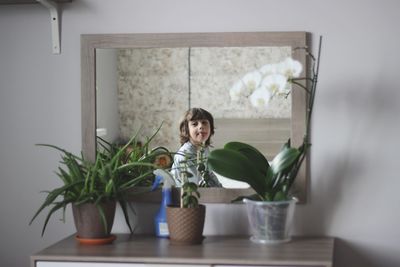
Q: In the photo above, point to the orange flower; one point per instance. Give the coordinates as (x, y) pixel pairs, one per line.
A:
(163, 161)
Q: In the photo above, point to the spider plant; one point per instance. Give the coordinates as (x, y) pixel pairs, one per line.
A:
(110, 177)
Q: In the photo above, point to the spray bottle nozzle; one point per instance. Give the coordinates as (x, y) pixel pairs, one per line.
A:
(162, 176)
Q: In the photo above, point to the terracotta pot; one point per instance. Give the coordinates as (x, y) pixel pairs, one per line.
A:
(185, 225)
(88, 220)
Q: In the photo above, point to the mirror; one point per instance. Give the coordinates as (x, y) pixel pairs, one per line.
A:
(179, 71)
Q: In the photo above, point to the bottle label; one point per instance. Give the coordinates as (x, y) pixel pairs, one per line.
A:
(163, 227)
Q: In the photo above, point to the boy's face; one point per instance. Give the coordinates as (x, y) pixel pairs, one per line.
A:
(199, 131)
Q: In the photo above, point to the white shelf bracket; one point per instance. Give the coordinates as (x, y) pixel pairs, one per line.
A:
(55, 23)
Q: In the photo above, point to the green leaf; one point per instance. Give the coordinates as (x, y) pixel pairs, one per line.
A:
(131, 183)
(189, 187)
(103, 217)
(129, 166)
(52, 196)
(109, 187)
(250, 152)
(65, 177)
(285, 158)
(62, 150)
(236, 166)
(152, 137)
(56, 207)
(280, 196)
(74, 167)
(190, 202)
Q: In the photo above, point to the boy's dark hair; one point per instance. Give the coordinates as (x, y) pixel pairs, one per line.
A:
(194, 114)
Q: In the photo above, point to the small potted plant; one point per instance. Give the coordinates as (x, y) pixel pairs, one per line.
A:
(271, 208)
(93, 188)
(186, 221)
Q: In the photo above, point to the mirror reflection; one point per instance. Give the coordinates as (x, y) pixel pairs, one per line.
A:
(209, 65)
(142, 88)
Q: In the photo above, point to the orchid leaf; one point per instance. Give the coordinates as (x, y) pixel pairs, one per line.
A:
(284, 159)
(250, 152)
(236, 166)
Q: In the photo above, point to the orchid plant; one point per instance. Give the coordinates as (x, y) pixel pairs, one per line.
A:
(271, 181)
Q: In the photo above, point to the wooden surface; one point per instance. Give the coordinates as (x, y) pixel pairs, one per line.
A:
(91, 42)
(127, 248)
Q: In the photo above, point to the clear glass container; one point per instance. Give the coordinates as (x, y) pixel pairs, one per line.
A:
(270, 221)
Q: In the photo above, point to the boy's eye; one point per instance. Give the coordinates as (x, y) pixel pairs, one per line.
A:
(197, 122)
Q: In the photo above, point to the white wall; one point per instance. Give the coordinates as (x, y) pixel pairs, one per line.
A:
(355, 181)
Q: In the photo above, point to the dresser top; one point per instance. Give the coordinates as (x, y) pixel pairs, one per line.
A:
(301, 251)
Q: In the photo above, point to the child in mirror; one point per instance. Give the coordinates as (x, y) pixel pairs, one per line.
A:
(196, 129)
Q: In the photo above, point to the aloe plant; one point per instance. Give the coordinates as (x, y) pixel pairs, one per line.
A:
(115, 171)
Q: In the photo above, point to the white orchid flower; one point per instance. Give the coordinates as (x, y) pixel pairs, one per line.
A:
(290, 68)
(251, 81)
(245, 86)
(275, 83)
(237, 90)
(260, 98)
(269, 69)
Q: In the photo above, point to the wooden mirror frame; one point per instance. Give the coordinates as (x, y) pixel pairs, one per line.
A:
(91, 42)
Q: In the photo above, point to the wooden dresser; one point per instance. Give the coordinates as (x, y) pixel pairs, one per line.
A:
(219, 251)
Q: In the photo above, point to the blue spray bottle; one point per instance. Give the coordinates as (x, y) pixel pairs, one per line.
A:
(160, 220)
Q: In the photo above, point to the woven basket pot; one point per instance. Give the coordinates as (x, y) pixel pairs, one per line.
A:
(185, 225)
(88, 221)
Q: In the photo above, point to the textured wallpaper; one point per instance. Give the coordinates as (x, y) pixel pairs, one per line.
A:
(153, 86)
(153, 89)
(215, 70)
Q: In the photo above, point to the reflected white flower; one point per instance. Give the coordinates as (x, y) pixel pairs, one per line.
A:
(237, 90)
(290, 68)
(260, 98)
(269, 69)
(245, 86)
(270, 80)
(251, 81)
(275, 83)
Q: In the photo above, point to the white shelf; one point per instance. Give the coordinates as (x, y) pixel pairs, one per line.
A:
(54, 8)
